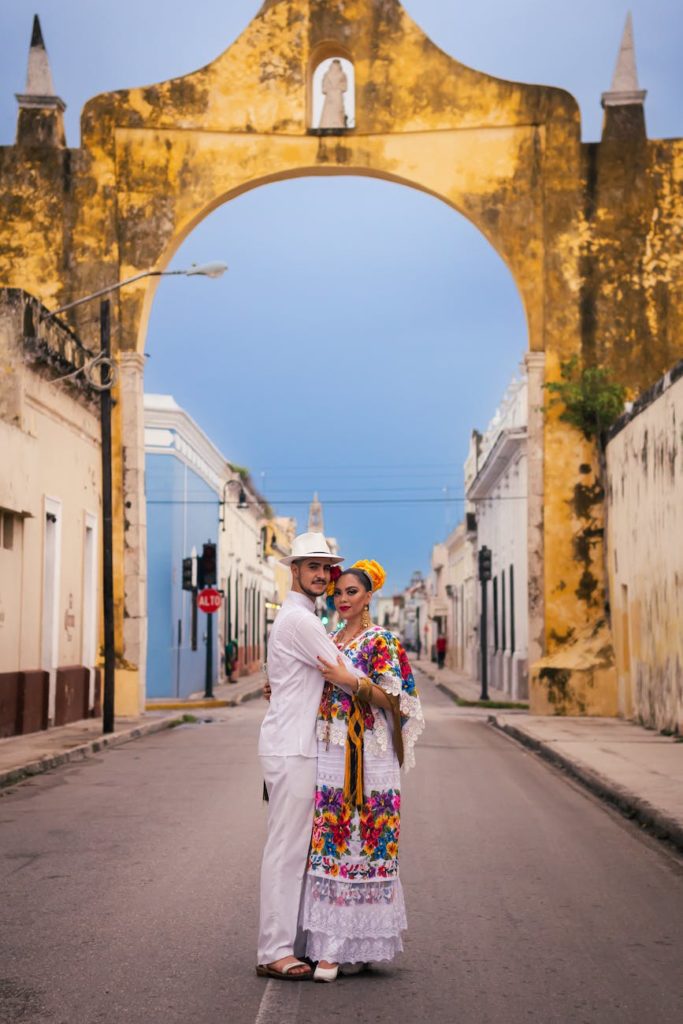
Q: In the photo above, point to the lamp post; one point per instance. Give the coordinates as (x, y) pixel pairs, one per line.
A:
(241, 499)
(108, 376)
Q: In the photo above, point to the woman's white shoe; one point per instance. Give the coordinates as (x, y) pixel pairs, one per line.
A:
(326, 973)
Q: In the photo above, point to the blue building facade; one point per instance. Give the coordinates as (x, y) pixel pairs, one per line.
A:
(183, 493)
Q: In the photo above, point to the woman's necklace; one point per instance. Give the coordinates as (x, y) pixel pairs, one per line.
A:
(343, 640)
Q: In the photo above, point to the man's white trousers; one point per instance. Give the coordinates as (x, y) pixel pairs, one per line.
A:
(291, 789)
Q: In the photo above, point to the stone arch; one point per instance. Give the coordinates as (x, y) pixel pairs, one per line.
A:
(508, 156)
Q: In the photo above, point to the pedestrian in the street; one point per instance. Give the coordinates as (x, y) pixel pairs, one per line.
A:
(441, 646)
(353, 909)
(230, 660)
(288, 752)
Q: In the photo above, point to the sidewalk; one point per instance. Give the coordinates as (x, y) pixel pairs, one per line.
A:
(637, 770)
(226, 695)
(36, 752)
(460, 686)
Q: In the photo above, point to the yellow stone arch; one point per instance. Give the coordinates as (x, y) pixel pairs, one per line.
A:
(155, 161)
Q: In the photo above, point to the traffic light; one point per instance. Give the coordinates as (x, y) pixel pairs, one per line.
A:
(207, 566)
(187, 573)
(484, 564)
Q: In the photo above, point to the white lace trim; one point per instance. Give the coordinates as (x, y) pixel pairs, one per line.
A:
(411, 708)
(411, 732)
(334, 732)
(352, 922)
(390, 683)
(377, 739)
(351, 951)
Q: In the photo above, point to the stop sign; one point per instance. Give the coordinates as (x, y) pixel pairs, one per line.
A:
(209, 600)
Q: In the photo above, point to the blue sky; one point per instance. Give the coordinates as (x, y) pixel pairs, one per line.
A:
(364, 329)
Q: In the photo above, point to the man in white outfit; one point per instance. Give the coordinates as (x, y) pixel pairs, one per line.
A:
(288, 751)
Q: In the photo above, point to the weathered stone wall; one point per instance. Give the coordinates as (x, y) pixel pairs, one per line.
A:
(591, 234)
(645, 546)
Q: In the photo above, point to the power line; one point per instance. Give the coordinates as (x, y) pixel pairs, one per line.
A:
(343, 501)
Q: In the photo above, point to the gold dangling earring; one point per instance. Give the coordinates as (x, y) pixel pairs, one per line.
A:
(365, 617)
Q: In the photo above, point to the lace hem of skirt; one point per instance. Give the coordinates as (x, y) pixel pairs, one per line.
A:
(321, 946)
(362, 912)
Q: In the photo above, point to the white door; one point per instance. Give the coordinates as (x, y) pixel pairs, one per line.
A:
(89, 611)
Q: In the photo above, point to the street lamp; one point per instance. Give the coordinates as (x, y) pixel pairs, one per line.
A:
(107, 381)
(214, 269)
(241, 499)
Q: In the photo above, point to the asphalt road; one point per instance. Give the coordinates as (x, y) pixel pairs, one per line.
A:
(128, 892)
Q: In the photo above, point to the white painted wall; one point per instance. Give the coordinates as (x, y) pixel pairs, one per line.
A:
(50, 444)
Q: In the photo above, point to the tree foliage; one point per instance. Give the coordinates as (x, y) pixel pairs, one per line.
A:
(592, 400)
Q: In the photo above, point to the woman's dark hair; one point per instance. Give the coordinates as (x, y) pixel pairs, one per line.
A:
(359, 574)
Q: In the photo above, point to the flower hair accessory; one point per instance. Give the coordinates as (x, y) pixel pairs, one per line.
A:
(335, 573)
(374, 572)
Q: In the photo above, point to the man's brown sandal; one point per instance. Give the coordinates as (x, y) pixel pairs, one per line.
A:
(266, 971)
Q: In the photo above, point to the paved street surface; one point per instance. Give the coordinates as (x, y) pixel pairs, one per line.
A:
(128, 887)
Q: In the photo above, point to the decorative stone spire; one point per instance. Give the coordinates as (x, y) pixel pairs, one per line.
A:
(315, 516)
(41, 112)
(624, 103)
(625, 90)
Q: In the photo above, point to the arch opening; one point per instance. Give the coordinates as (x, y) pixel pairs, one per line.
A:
(317, 315)
(204, 212)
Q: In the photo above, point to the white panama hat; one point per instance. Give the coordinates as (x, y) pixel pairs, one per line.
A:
(311, 545)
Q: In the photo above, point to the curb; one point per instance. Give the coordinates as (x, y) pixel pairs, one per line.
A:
(515, 707)
(187, 705)
(250, 695)
(223, 702)
(631, 806)
(94, 746)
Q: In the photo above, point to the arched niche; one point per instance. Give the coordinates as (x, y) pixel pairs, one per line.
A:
(331, 90)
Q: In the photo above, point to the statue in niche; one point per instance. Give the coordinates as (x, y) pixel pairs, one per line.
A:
(334, 86)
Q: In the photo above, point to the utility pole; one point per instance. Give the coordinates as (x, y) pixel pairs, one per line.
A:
(107, 521)
(484, 577)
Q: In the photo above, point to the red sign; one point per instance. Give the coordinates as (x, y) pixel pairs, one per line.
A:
(209, 600)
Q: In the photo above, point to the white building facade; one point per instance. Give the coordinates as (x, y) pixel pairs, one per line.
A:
(196, 496)
(453, 609)
(50, 523)
(496, 485)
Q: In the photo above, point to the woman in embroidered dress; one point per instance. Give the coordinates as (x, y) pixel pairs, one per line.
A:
(353, 909)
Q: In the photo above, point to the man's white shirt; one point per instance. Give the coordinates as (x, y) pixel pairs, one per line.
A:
(296, 640)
